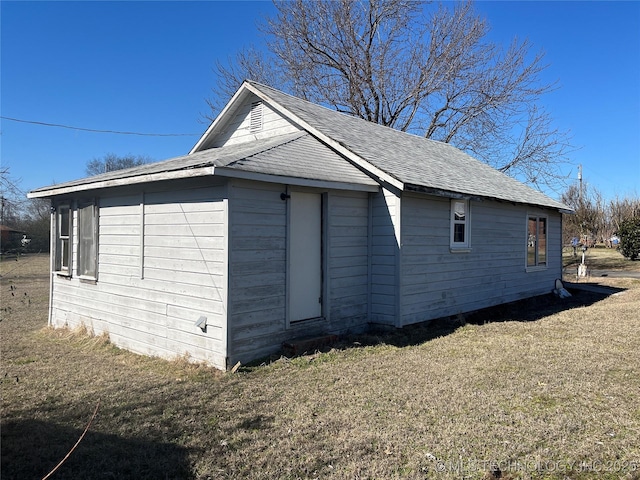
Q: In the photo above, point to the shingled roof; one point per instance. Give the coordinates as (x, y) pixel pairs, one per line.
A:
(420, 164)
(331, 147)
(296, 155)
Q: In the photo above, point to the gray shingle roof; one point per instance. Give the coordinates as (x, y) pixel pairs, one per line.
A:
(418, 164)
(413, 160)
(294, 155)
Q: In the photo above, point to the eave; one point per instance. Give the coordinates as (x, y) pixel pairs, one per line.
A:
(450, 194)
(199, 172)
(119, 182)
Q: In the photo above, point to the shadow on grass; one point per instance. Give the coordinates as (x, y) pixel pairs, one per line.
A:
(32, 448)
(526, 310)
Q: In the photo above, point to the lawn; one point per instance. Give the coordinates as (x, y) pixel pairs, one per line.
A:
(600, 258)
(549, 390)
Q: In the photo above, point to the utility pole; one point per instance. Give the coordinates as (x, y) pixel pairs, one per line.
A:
(580, 182)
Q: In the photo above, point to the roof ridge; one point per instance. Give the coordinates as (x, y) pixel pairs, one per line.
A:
(352, 116)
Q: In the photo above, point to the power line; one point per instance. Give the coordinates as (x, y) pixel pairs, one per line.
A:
(58, 125)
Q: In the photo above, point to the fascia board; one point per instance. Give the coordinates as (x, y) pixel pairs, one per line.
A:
(201, 172)
(449, 194)
(152, 177)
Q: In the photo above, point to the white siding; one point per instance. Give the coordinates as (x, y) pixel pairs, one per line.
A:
(385, 241)
(237, 129)
(152, 310)
(437, 282)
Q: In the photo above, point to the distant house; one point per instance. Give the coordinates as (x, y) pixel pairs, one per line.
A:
(288, 219)
(9, 238)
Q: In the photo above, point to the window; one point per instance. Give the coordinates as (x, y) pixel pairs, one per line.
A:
(536, 241)
(87, 240)
(64, 225)
(459, 223)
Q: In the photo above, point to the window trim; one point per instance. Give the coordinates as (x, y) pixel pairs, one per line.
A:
(537, 265)
(464, 246)
(59, 250)
(94, 233)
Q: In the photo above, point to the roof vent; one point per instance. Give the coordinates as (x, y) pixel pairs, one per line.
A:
(256, 117)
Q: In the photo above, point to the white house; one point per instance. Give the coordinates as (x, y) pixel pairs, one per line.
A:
(288, 219)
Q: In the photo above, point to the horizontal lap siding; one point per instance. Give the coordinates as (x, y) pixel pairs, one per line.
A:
(384, 258)
(348, 261)
(258, 289)
(437, 282)
(184, 275)
(257, 272)
(237, 129)
(185, 259)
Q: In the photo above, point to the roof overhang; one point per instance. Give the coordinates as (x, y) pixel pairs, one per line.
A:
(55, 191)
(449, 194)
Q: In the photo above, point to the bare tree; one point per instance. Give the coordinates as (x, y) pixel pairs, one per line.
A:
(585, 224)
(429, 71)
(12, 198)
(595, 217)
(27, 216)
(111, 162)
(35, 223)
(621, 209)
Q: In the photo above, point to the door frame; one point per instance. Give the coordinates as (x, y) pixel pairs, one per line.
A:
(324, 200)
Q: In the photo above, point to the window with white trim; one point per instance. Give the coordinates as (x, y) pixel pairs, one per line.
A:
(64, 227)
(459, 223)
(536, 241)
(87, 240)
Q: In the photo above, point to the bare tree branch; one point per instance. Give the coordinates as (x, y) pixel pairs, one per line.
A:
(428, 70)
(111, 162)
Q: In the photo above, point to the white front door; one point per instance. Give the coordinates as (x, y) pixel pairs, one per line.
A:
(305, 256)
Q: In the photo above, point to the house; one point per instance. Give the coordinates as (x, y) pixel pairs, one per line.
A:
(9, 238)
(288, 219)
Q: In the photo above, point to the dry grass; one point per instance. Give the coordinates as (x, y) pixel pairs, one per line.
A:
(601, 258)
(554, 397)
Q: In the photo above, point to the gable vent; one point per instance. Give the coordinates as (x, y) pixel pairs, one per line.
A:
(256, 117)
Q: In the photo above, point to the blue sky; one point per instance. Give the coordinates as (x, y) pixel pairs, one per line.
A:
(148, 67)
